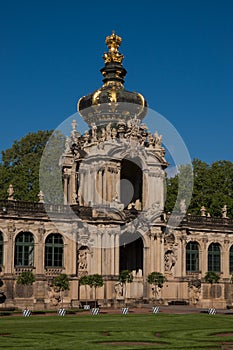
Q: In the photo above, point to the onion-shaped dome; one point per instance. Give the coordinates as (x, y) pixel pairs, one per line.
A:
(112, 103)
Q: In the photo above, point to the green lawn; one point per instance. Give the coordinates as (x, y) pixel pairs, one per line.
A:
(161, 331)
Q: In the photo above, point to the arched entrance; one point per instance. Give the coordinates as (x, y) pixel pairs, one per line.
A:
(131, 253)
(131, 182)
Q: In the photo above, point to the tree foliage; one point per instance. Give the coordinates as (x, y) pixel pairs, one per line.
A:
(62, 282)
(26, 278)
(212, 277)
(20, 164)
(95, 281)
(125, 276)
(50, 171)
(212, 188)
(156, 278)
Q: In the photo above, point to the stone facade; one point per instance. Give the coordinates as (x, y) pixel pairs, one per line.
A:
(112, 218)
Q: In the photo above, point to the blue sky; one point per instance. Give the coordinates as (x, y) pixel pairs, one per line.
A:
(178, 54)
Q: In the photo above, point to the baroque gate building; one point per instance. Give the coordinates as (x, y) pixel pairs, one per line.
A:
(112, 217)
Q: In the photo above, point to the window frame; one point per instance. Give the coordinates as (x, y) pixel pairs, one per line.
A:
(192, 257)
(214, 258)
(24, 250)
(54, 251)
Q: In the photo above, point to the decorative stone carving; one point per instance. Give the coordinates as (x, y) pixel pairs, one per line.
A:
(203, 211)
(54, 295)
(118, 288)
(169, 260)
(224, 212)
(10, 192)
(67, 146)
(41, 197)
(82, 258)
(183, 207)
(93, 132)
(11, 228)
(194, 291)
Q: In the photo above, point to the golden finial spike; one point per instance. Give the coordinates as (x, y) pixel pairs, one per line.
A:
(113, 55)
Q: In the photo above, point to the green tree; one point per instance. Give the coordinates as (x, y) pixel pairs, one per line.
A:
(85, 281)
(125, 276)
(96, 281)
(20, 166)
(62, 283)
(26, 278)
(157, 279)
(50, 170)
(212, 187)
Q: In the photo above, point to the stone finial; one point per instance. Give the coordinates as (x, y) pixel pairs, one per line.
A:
(203, 211)
(183, 207)
(10, 192)
(41, 197)
(74, 125)
(94, 132)
(224, 212)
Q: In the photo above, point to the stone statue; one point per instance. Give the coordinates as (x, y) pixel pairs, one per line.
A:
(74, 131)
(67, 145)
(103, 134)
(82, 259)
(118, 288)
(93, 132)
(74, 198)
(86, 136)
(10, 192)
(169, 260)
(114, 133)
(224, 212)
(203, 211)
(108, 132)
(183, 208)
(41, 197)
(194, 291)
(158, 139)
(54, 295)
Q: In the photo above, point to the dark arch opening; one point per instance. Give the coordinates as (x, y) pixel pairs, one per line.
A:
(131, 254)
(132, 172)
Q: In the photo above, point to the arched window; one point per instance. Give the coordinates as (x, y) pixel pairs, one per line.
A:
(214, 257)
(1, 249)
(24, 249)
(54, 250)
(192, 257)
(231, 260)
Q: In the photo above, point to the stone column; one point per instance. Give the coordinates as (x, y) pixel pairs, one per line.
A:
(112, 255)
(117, 254)
(80, 190)
(99, 254)
(161, 253)
(104, 185)
(100, 187)
(9, 265)
(145, 195)
(65, 189)
(204, 256)
(183, 256)
(72, 184)
(225, 259)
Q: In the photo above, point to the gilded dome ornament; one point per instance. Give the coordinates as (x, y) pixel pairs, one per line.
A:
(112, 102)
(113, 55)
